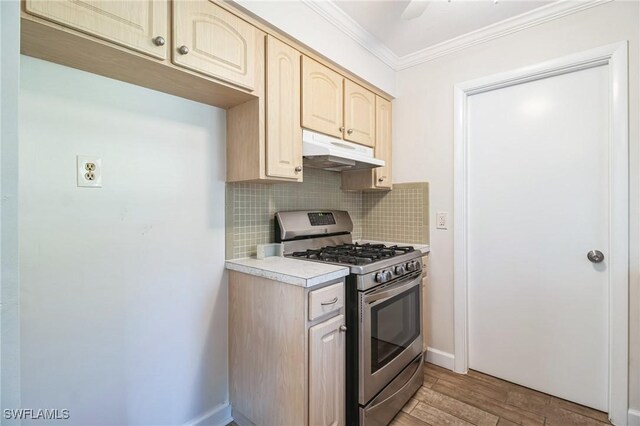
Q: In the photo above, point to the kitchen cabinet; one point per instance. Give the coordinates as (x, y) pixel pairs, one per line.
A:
(326, 373)
(336, 106)
(141, 25)
(210, 40)
(359, 114)
(285, 369)
(322, 98)
(283, 133)
(209, 51)
(264, 137)
(378, 178)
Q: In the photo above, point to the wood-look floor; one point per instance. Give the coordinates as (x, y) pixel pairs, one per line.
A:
(447, 398)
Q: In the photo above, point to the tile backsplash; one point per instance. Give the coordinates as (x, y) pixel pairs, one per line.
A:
(399, 215)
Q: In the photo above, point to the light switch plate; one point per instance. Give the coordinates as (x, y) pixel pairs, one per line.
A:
(89, 171)
(441, 220)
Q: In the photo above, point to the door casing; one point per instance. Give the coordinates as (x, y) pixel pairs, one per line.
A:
(615, 57)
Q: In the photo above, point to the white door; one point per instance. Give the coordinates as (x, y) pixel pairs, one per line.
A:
(538, 202)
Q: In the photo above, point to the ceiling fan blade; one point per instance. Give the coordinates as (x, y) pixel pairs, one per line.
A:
(414, 9)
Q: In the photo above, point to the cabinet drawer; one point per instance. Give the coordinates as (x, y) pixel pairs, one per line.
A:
(325, 300)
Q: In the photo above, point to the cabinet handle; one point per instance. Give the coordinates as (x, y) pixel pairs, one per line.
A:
(341, 129)
(343, 328)
(298, 169)
(159, 41)
(382, 179)
(350, 131)
(330, 302)
(183, 50)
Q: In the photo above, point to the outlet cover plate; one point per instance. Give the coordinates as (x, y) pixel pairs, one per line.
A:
(441, 220)
(88, 164)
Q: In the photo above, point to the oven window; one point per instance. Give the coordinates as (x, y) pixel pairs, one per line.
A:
(395, 324)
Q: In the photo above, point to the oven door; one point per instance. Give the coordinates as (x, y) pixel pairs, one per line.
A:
(390, 333)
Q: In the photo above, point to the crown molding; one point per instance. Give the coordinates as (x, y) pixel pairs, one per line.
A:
(345, 23)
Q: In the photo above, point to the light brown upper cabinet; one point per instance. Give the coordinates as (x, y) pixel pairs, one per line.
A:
(336, 106)
(380, 177)
(284, 134)
(359, 114)
(141, 25)
(383, 143)
(322, 98)
(212, 41)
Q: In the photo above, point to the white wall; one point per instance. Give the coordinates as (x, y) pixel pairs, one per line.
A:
(302, 23)
(9, 279)
(124, 298)
(423, 138)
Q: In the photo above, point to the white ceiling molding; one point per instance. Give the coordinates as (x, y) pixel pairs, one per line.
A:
(332, 13)
(345, 23)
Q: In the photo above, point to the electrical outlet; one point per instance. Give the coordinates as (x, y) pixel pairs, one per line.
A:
(441, 220)
(89, 170)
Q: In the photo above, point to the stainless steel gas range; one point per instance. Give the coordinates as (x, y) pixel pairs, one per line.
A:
(383, 304)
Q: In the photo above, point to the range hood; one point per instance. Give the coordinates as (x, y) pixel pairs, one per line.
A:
(325, 152)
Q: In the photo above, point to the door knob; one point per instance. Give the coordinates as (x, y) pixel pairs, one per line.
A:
(595, 256)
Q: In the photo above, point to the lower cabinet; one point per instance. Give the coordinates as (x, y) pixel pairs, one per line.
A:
(326, 373)
(284, 368)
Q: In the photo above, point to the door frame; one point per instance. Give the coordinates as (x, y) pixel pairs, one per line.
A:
(614, 56)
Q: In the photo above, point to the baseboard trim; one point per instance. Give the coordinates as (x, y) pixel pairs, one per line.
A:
(440, 358)
(634, 418)
(219, 415)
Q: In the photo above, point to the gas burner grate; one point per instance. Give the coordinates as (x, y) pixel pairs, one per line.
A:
(354, 254)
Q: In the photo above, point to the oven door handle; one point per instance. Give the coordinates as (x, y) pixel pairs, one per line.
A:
(392, 291)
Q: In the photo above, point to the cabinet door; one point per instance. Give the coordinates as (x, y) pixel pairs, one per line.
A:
(321, 98)
(210, 40)
(383, 142)
(326, 373)
(359, 114)
(284, 134)
(134, 24)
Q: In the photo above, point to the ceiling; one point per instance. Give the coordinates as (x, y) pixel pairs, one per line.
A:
(433, 22)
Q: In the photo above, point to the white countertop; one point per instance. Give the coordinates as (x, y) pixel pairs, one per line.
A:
(291, 271)
(424, 248)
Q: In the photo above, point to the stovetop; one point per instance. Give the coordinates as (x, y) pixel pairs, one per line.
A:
(354, 254)
(361, 258)
(325, 236)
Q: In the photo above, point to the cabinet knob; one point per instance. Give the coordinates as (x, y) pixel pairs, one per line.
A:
(183, 50)
(159, 41)
(350, 131)
(298, 169)
(382, 179)
(341, 129)
(343, 328)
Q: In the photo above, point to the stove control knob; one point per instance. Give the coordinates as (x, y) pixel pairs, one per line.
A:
(381, 277)
(399, 270)
(410, 266)
(388, 275)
